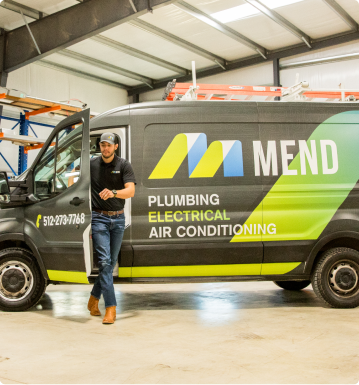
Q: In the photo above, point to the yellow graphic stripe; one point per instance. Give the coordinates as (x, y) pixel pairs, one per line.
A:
(172, 159)
(67, 276)
(212, 270)
(124, 272)
(278, 268)
(210, 162)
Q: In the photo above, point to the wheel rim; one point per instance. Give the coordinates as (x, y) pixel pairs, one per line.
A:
(343, 278)
(16, 280)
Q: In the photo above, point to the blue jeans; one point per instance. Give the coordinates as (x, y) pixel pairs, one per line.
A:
(107, 234)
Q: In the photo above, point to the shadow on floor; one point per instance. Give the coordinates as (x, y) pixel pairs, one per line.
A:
(203, 299)
(70, 305)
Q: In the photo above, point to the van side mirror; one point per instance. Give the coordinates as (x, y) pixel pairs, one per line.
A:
(4, 188)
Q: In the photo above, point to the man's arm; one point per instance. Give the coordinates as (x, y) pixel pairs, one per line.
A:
(127, 192)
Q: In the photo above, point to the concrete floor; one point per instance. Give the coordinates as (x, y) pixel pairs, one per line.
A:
(182, 333)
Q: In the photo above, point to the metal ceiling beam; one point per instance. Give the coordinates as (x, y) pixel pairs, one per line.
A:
(106, 66)
(80, 74)
(3, 74)
(178, 41)
(139, 54)
(35, 14)
(17, 7)
(325, 60)
(329, 41)
(58, 31)
(281, 21)
(276, 74)
(221, 27)
(342, 14)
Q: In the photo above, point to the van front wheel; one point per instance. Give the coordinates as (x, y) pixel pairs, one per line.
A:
(21, 282)
(292, 285)
(335, 278)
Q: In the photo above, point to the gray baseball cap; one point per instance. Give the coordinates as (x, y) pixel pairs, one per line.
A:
(108, 137)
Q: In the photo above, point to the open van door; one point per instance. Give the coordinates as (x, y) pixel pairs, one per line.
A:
(59, 222)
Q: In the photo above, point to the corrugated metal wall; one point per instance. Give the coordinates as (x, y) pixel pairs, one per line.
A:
(328, 75)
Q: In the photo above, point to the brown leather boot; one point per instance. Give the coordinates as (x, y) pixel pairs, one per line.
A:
(93, 306)
(110, 315)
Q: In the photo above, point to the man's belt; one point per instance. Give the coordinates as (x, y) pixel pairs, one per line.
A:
(109, 213)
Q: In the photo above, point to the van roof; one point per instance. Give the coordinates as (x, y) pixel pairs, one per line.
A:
(121, 115)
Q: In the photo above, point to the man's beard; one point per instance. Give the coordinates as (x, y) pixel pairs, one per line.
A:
(109, 156)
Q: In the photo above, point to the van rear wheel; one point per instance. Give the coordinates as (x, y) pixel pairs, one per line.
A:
(335, 278)
(21, 282)
(292, 285)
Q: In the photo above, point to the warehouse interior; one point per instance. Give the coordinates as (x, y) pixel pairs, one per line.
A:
(147, 49)
(104, 54)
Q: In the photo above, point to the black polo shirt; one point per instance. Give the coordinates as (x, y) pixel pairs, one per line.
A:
(112, 176)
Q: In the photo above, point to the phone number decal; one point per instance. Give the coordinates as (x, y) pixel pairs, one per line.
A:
(60, 220)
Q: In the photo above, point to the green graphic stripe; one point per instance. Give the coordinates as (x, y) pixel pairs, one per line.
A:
(210, 270)
(67, 276)
(172, 159)
(301, 206)
(210, 162)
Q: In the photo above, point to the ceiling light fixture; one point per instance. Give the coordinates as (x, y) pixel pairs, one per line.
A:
(247, 10)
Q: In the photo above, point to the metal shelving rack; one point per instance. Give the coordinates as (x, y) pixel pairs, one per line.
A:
(24, 140)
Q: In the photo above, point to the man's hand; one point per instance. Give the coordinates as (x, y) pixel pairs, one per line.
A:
(106, 194)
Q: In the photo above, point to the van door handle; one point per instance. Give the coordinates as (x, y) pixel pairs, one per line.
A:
(77, 201)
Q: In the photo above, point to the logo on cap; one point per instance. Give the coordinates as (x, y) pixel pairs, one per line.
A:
(108, 137)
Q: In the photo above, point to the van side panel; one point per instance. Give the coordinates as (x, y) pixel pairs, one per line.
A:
(194, 166)
(262, 164)
(307, 200)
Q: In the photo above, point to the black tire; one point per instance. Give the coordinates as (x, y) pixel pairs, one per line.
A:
(335, 278)
(292, 285)
(21, 281)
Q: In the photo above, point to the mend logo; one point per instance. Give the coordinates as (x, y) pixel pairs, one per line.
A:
(203, 162)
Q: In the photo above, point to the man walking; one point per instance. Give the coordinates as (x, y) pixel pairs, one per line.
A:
(112, 181)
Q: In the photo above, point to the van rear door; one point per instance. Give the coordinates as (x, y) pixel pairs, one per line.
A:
(59, 223)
